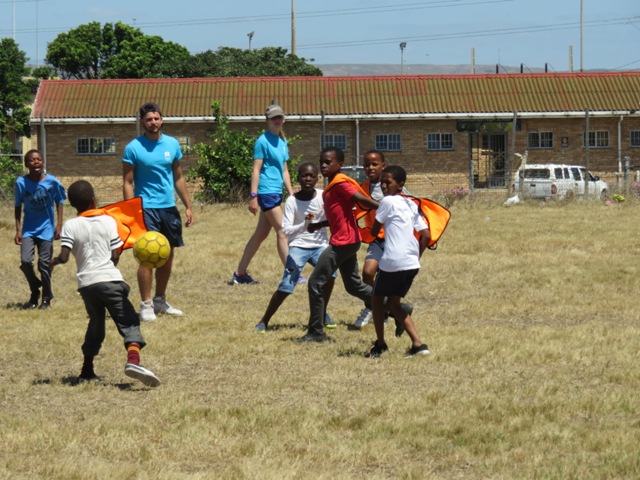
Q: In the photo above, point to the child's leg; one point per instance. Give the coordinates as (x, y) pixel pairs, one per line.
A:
(353, 283)
(27, 254)
(277, 299)
(322, 274)
(393, 304)
(371, 261)
(259, 235)
(45, 252)
(377, 305)
(95, 330)
(115, 296)
(296, 259)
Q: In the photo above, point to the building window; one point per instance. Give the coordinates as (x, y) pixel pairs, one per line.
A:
(185, 144)
(540, 140)
(635, 138)
(96, 146)
(339, 141)
(597, 139)
(439, 141)
(388, 142)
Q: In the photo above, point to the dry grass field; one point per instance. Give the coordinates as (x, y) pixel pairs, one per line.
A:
(531, 313)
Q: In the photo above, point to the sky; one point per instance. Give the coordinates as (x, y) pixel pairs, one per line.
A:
(435, 32)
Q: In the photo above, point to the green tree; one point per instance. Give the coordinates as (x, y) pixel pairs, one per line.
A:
(14, 91)
(224, 165)
(112, 51)
(10, 170)
(236, 62)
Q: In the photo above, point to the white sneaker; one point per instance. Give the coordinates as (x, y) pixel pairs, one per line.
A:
(364, 318)
(160, 305)
(146, 312)
(145, 375)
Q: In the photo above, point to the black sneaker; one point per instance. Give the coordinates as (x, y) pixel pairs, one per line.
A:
(314, 337)
(33, 301)
(377, 350)
(46, 303)
(421, 350)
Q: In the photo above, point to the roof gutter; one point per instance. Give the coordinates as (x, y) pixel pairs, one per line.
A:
(504, 116)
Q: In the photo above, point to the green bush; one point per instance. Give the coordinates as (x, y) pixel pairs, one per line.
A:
(224, 165)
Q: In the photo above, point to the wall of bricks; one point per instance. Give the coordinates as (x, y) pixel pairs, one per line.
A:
(63, 161)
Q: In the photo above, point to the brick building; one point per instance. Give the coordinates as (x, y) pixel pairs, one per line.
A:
(465, 127)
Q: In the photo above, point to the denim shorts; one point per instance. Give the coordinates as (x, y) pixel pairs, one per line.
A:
(167, 221)
(296, 260)
(269, 201)
(394, 284)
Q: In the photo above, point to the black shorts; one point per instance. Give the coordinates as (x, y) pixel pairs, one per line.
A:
(167, 221)
(394, 284)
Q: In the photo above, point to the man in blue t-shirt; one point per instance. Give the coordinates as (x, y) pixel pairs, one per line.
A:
(151, 170)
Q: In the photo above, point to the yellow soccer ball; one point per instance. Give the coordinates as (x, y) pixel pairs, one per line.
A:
(152, 250)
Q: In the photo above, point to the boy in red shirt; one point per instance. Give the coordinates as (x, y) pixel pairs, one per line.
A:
(340, 197)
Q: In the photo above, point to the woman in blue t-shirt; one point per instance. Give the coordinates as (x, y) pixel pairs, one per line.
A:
(270, 155)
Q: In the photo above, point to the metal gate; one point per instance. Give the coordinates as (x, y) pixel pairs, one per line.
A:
(488, 159)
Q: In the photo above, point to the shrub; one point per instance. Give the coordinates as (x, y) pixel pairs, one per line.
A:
(224, 165)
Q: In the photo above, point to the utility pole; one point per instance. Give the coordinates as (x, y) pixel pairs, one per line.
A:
(250, 35)
(403, 45)
(582, 35)
(293, 27)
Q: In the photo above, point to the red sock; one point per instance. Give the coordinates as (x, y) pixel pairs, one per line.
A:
(133, 353)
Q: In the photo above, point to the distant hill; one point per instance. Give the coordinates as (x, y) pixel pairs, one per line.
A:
(371, 69)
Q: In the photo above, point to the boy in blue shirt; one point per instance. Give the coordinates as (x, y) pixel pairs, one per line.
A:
(40, 193)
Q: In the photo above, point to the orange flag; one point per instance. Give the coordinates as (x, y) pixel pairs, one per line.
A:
(128, 216)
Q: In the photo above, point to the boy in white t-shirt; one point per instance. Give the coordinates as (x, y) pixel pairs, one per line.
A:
(95, 243)
(304, 247)
(400, 261)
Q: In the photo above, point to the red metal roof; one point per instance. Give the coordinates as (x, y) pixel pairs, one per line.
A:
(427, 94)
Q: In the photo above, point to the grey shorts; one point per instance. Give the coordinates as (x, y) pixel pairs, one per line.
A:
(375, 250)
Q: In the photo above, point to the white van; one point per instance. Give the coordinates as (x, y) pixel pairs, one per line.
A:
(549, 180)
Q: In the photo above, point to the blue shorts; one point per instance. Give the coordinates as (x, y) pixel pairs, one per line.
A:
(394, 284)
(167, 221)
(269, 201)
(375, 250)
(296, 260)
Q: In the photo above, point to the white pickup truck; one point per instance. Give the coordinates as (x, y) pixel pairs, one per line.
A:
(550, 180)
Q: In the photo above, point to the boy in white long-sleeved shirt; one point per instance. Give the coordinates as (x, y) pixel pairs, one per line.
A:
(304, 247)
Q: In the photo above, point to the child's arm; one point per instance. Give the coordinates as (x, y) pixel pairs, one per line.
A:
(375, 229)
(18, 215)
(365, 201)
(314, 227)
(59, 211)
(60, 259)
(425, 238)
(115, 256)
(288, 227)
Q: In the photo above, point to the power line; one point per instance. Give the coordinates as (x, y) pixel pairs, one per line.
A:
(477, 33)
(286, 16)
